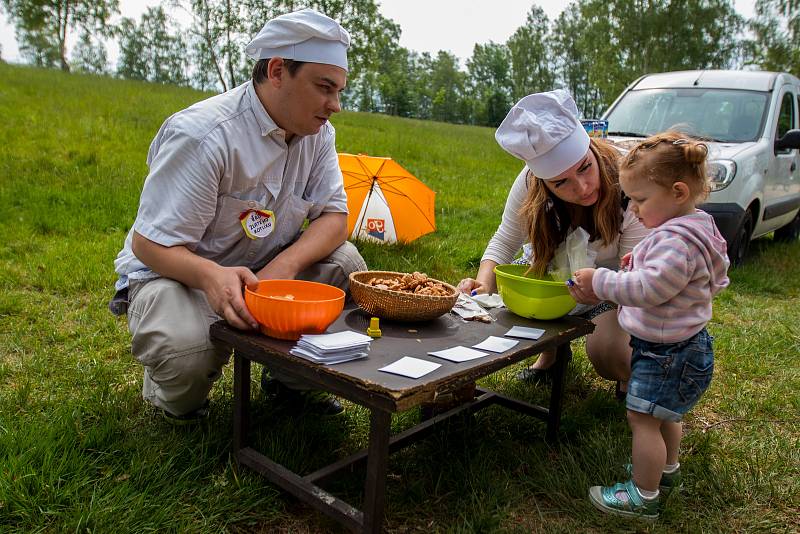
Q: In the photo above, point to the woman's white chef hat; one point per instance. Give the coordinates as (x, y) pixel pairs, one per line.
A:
(304, 35)
(544, 131)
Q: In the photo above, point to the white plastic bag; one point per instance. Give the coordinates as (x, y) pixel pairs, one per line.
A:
(573, 254)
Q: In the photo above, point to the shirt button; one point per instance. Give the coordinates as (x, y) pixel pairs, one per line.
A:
(251, 254)
(251, 204)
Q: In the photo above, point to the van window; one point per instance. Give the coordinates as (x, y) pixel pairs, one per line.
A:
(726, 115)
(786, 117)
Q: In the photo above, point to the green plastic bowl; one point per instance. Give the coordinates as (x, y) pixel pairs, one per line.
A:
(531, 297)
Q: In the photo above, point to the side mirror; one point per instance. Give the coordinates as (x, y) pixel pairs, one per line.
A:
(790, 140)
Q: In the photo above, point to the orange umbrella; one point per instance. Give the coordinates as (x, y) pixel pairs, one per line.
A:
(386, 202)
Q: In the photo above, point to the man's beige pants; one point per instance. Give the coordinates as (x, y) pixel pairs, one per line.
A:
(169, 323)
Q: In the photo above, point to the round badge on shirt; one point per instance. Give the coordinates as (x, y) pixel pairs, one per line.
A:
(257, 224)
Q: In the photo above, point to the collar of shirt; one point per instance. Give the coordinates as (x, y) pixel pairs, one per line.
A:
(266, 123)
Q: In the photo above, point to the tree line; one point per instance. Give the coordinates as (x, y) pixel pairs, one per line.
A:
(594, 48)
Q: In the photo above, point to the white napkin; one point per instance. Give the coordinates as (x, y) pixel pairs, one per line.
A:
(469, 310)
(489, 300)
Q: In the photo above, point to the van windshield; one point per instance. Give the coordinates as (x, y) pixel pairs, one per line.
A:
(724, 115)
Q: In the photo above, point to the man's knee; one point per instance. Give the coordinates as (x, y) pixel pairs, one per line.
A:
(203, 366)
(348, 258)
(168, 320)
(336, 268)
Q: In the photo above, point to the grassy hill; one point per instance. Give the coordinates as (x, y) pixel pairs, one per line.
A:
(80, 451)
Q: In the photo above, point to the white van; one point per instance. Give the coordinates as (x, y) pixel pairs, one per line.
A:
(750, 120)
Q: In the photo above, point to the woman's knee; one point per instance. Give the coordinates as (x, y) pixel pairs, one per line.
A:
(608, 348)
(610, 359)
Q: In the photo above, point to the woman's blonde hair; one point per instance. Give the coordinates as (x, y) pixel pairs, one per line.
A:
(549, 218)
(671, 157)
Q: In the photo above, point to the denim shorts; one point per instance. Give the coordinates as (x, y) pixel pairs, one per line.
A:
(667, 379)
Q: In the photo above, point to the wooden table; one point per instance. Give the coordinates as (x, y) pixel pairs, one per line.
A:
(383, 394)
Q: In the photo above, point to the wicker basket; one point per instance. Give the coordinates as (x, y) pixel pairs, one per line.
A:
(398, 305)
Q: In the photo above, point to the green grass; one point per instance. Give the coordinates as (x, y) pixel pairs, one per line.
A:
(80, 451)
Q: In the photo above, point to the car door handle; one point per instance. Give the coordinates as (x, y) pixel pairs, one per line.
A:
(793, 167)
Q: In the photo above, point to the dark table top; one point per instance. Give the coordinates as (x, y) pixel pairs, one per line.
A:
(361, 381)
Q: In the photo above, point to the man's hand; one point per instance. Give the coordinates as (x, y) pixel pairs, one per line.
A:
(322, 236)
(222, 285)
(277, 270)
(223, 290)
(581, 290)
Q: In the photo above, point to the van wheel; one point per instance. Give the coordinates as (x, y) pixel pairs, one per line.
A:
(790, 232)
(737, 251)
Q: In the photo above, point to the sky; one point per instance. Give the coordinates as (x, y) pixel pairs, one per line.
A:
(427, 25)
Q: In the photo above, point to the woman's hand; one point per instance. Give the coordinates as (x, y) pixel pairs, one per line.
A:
(581, 288)
(470, 285)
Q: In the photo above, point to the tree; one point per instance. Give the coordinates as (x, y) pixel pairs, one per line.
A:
(446, 88)
(152, 50)
(420, 68)
(221, 29)
(369, 30)
(604, 51)
(570, 65)
(394, 82)
(490, 82)
(42, 26)
(89, 55)
(217, 40)
(531, 68)
(776, 30)
(610, 43)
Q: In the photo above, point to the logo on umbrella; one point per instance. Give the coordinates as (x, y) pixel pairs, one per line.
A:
(375, 228)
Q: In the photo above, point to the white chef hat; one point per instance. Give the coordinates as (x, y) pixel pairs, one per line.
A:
(304, 35)
(544, 131)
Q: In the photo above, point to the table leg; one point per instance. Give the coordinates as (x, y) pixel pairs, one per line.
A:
(241, 402)
(377, 459)
(563, 356)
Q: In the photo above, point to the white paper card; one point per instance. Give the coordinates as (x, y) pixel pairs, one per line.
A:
(339, 340)
(458, 354)
(339, 358)
(526, 332)
(496, 344)
(410, 367)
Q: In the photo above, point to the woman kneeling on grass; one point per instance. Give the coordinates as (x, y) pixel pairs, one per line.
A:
(569, 182)
(664, 294)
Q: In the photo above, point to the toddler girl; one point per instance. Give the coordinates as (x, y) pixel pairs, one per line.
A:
(664, 292)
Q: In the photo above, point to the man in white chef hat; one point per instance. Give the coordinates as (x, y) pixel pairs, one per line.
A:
(232, 181)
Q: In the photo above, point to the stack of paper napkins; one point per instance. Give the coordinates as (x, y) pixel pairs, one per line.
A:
(332, 348)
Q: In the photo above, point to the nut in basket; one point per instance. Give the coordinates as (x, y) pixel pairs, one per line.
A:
(401, 296)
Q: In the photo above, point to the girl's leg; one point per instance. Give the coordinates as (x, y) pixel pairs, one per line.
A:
(608, 349)
(649, 450)
(671, 433)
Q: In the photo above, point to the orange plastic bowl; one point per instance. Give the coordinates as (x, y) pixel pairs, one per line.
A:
(285, 309)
